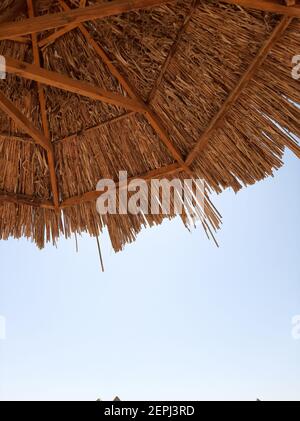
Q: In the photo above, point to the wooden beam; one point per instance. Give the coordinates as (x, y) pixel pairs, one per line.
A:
(172, 51)
(93, 128)
(42, 100)
(45, 42)
(57, 34)
(104, 57)
(271, 6)
(56, 20)
(26, 138)
(240, 87)
(93, 195)
(21, 40)
(21, 121)
(116, 7)
(157, 125)
(16, 136)
(46, 77)
(22, 199)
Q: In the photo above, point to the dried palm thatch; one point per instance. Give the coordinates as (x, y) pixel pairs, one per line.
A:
(158, 88)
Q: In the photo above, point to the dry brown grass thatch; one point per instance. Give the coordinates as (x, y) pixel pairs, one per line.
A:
(214, 97)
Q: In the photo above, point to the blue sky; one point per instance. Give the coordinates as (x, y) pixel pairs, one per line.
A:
(173, 317)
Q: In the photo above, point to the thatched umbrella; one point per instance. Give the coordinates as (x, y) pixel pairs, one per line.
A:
(158, 88)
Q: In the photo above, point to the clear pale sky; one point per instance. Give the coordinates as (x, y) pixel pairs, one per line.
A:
(172, 318)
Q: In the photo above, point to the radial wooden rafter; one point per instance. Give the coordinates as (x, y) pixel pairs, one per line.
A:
(21, 40)
(50, 39)
(16, 136)
(271, 6)
(57, 80)
(20, 138)
(45, 42)
(21, 121)
(96, 127)
(42, 100)
(239, 88)
(22, 199)
(172, 51)
(8, 107)
(56, 20)
(115, 7)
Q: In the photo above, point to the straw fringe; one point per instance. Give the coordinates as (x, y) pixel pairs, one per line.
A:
(93, 140)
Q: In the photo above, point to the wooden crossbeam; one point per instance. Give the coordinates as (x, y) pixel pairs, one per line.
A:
(16, 136)
(21, 40)
(56, 20)
(93, 128)
(42, 100)
(104, 57)
(158, 127)
(172, 51)
(22, 199)
(45, 42)
(239, 88)
(116, 7)
(271, 6)
(84, 132)
(46, 77)
(57, 34)
(93, 195)
(21, 121)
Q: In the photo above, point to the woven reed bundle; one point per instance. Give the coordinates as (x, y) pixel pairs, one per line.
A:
(180, 61)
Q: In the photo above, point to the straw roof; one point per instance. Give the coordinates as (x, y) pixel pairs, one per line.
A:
(159, 88)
